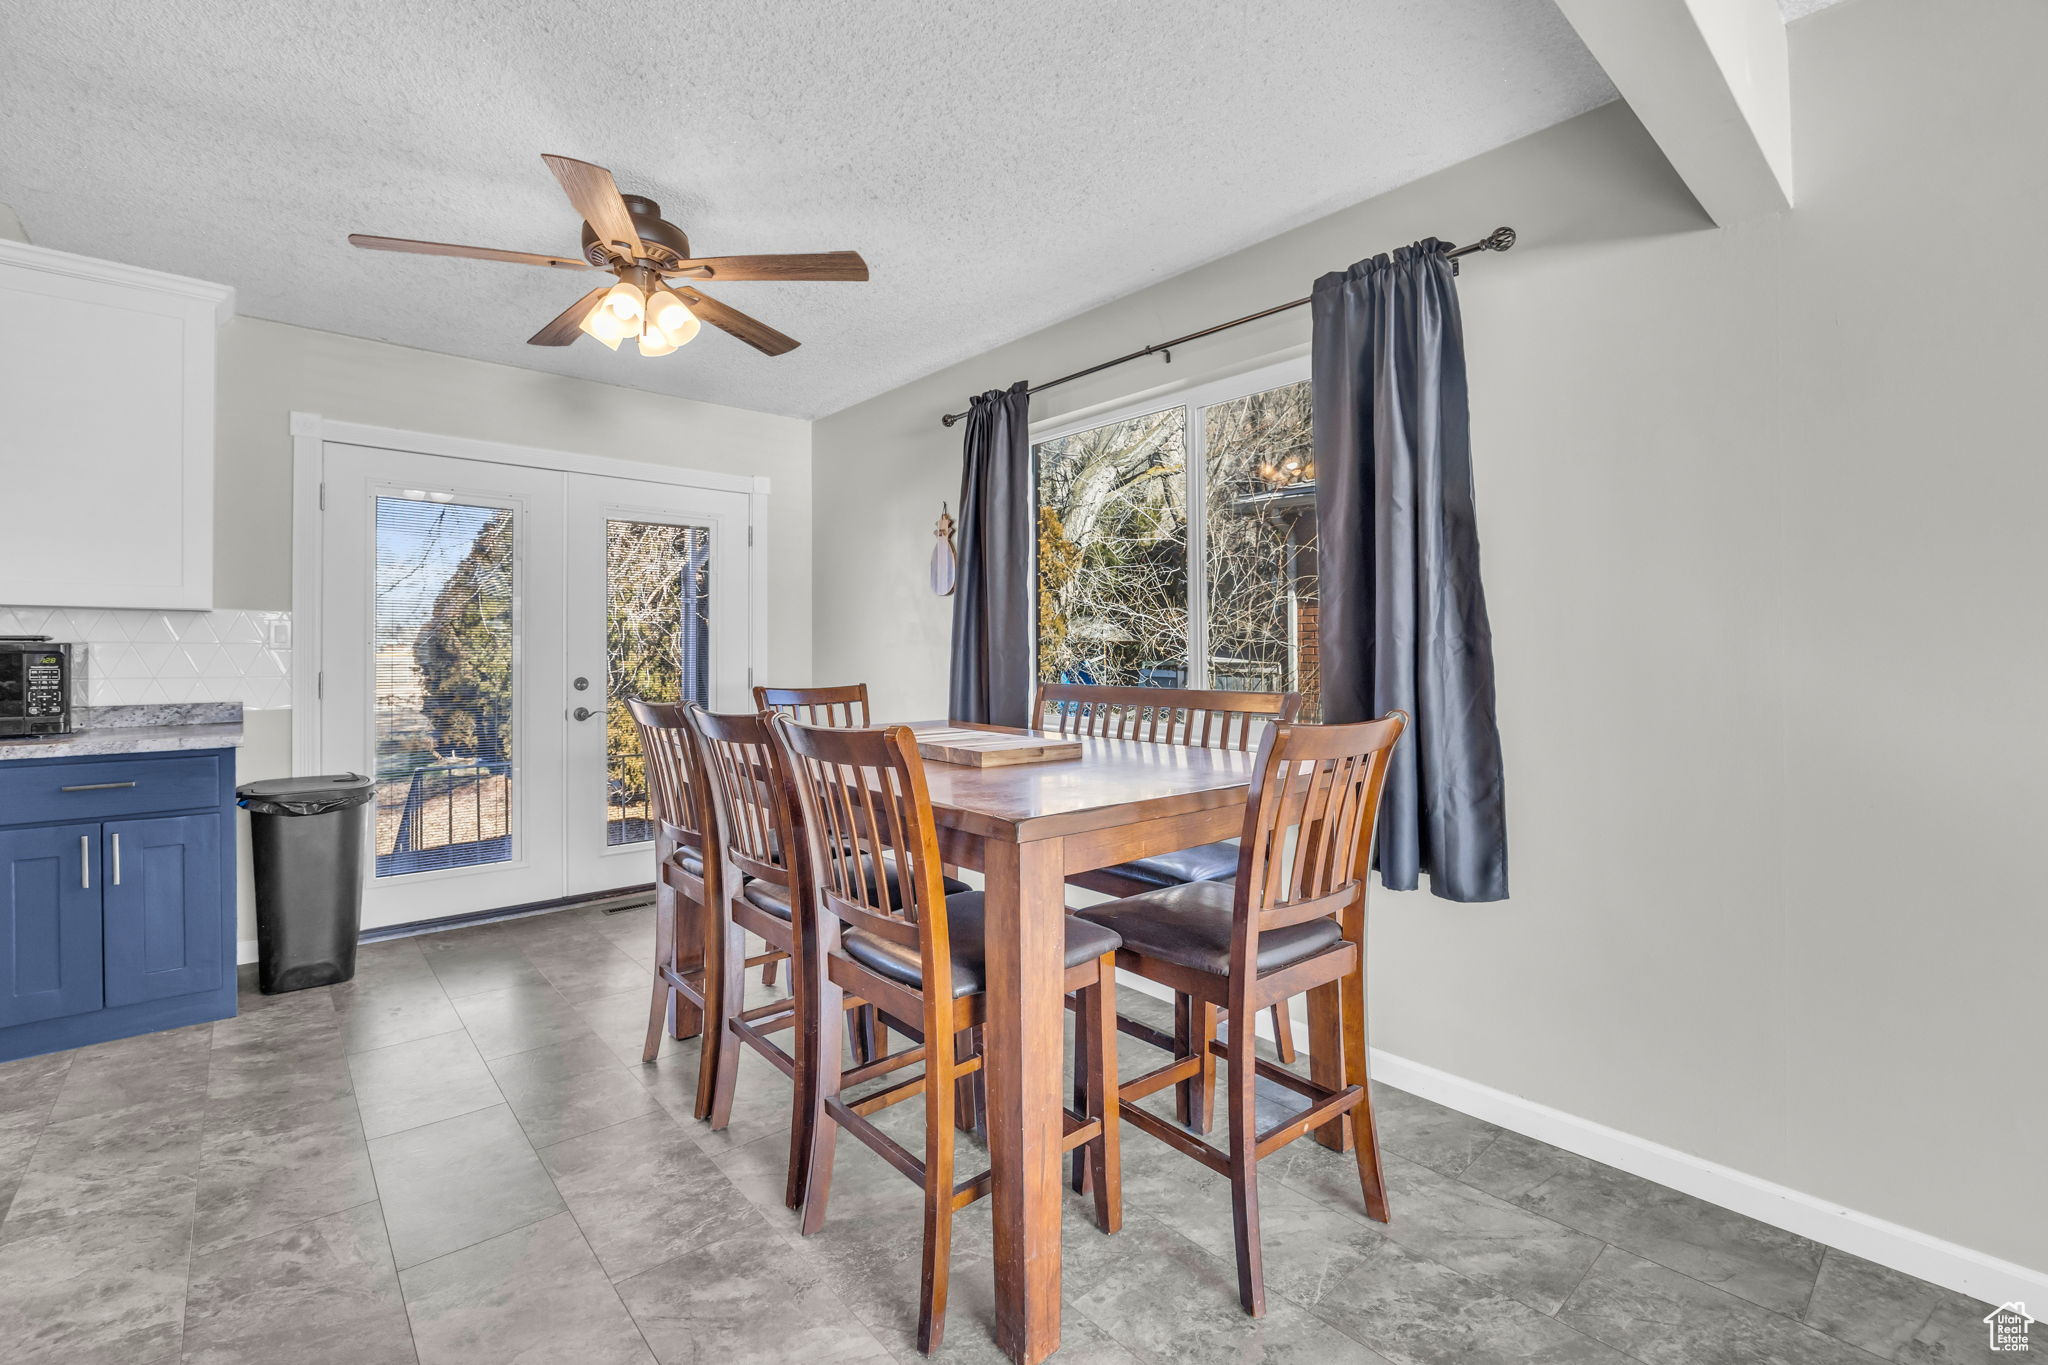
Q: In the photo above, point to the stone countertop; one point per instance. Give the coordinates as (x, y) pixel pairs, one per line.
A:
(136, 730)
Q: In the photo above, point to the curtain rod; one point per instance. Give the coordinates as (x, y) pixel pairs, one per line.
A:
(1500, 239)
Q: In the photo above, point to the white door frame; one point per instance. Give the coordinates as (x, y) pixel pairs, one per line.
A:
(310, 433)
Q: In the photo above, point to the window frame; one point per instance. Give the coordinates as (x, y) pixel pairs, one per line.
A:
(1192, 399)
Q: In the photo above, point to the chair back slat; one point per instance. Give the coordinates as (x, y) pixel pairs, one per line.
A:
(862, 805)
(844, 707)
(672, 778)
(1164, 715)
(750, 799)
(1308, 828)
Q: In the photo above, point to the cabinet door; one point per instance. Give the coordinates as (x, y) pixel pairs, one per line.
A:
(117, 457)
(49, 922)
(164, 903)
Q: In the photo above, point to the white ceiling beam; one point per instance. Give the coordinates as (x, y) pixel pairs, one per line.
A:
(1710, 81)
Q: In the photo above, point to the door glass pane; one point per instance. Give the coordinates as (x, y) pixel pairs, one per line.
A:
(1261, 526)
(443, 687)
(1112, 554)
(657, 648)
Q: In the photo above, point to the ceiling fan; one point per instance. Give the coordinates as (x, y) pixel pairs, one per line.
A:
(626, 235)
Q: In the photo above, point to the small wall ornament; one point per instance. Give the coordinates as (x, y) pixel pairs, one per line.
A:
(945, 562)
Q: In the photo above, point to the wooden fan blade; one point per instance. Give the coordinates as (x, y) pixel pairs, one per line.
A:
(565, 328)
(753, 331)
(817, 265)
(596, 197)
(480, 253)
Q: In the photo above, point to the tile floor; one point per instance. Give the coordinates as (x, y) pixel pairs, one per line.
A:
(457, 1157)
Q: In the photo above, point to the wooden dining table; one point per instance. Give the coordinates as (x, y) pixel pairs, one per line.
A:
(1026, 828)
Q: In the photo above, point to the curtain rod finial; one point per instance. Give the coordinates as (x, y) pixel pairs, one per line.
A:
(1500, 239)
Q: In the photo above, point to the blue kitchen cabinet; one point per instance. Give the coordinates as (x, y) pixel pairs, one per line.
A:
(50, 917)
(162, 907)
(117, 897)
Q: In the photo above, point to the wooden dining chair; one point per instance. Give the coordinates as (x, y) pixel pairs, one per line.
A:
(840, 706)
(1293, 921)
(1196, 719)
(847, 705)
(689, 882)
(752, 825)
(862, 799)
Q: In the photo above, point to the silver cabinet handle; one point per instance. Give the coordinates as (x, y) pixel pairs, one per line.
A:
(96, 787)
(117, 858)
(85, 862)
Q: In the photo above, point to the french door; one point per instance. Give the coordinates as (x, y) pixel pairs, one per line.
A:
(481, 626)
(658, 594)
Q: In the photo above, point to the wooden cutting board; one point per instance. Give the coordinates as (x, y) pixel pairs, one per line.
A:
(986, 749)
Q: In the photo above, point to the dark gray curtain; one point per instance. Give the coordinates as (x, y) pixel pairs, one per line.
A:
(992, 668)
(1403, 614)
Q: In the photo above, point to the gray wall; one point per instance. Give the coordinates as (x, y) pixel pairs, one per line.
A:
(1761, 520)
(269, 370)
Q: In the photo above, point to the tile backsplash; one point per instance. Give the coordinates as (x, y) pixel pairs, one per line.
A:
(127, 657)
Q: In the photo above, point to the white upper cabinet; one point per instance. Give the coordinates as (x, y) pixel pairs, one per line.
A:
(106, 432)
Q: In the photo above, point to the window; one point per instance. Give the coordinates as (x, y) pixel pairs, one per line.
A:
(657, 644)
(1113, 553)
(1176, 546)
(443, 684)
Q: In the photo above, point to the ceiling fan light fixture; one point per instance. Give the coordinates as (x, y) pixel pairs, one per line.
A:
(602, 323)
(655, 342)
(625, 301)
(667, 312)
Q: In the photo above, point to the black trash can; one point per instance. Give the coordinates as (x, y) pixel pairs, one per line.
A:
(307, 834)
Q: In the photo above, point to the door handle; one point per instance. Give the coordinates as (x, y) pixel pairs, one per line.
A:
(96, 787)
(582, 713)
(117, 858)
(85, 862)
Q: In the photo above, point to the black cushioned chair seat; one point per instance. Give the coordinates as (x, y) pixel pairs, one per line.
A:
(1203, 863)
(766, 896)
(1190, 925)
(772, 899)
(687, 859)
(966, 934)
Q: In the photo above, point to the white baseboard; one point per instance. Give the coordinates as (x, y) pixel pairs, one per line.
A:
(1929, 1258)
(1982, 1277)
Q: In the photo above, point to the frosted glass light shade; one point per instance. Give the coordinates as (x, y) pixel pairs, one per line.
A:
(673, 317)
(602, 323)
(625, 301)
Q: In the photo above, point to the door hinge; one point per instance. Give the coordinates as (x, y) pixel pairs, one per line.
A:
(323, 497)
(750, 535)
(320, 686)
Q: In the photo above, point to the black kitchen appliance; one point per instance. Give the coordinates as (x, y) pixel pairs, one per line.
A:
(35, 686)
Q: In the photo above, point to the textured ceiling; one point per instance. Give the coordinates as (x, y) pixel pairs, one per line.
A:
(1001, 166)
